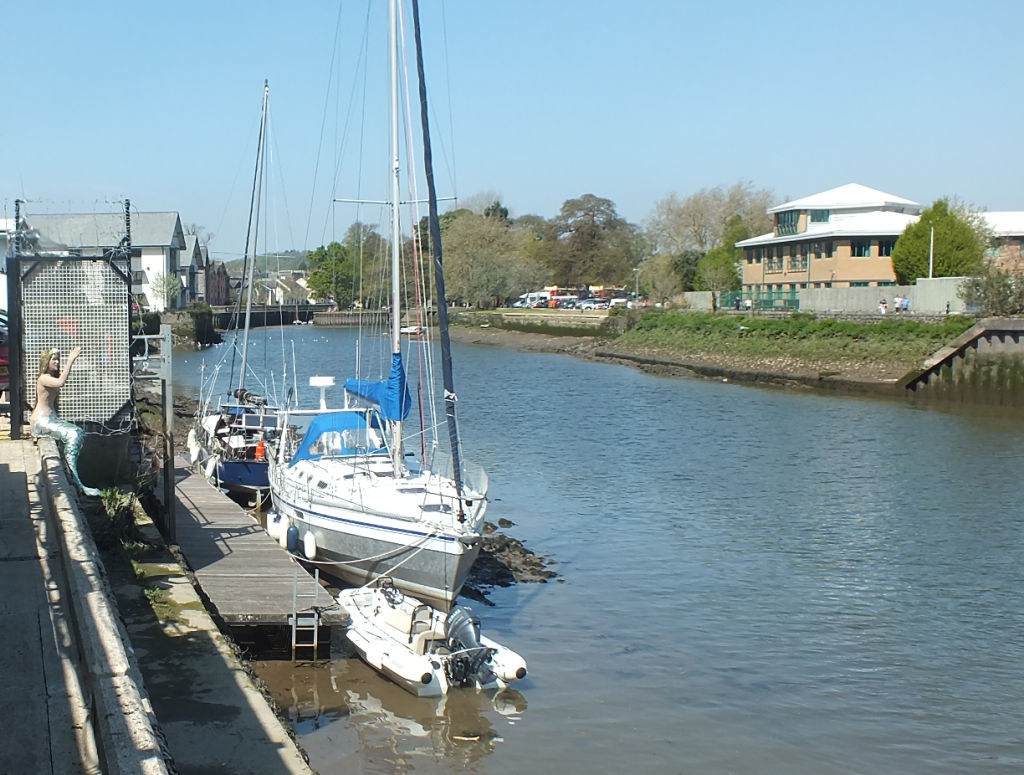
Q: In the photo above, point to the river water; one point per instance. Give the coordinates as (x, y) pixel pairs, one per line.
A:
(750, 581)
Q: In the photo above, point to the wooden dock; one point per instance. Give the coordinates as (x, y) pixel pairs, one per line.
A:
(245, 575)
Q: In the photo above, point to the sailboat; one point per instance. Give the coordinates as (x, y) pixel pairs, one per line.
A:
(341, 480)
(228, 442)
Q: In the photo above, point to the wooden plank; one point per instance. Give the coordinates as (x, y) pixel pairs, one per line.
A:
(247, 577)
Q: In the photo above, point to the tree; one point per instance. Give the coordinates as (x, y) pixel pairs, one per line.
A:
(959, 244)
(167, 289)
(718, 270)
(497, 211)
(994, 292)
(660, 279)
(685, 264)
(486, 260)
(589, 243)
(205, 235)
(332, 277)
(698, 221)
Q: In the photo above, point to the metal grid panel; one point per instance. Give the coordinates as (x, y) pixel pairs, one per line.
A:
(79, 302)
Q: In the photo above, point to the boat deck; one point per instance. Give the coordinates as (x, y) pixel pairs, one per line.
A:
(247, 578)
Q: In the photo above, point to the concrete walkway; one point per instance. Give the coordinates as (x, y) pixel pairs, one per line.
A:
(45, 725)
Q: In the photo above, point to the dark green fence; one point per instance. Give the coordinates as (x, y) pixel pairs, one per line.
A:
(760, 300)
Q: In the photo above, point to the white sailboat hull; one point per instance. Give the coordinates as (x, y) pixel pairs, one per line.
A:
(362, 523)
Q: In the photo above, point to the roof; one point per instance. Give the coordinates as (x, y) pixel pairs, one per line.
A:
(104, 230)
(881, 223)
(1006, 224)
(852, 196)
(190, 252)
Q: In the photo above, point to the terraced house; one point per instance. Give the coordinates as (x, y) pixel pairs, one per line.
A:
(840, 238)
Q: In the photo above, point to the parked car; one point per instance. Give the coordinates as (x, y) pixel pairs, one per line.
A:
(594, 304)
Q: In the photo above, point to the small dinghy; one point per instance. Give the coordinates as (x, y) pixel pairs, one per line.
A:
(423, 650)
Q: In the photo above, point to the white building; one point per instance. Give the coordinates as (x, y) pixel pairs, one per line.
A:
(839, 238)
(157, 241)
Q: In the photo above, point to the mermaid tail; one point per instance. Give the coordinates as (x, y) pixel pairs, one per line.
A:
(73, 438)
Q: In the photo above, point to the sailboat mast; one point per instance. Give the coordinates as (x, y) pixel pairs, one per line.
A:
(254, 220)
(396, 226)
(436, 252)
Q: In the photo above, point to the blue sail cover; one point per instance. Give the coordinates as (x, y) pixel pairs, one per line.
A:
(391, 395)
(349, 432)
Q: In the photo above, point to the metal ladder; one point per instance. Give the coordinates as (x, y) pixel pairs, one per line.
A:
(306, 623)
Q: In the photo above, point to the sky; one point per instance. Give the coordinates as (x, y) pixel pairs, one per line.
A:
(534, 102)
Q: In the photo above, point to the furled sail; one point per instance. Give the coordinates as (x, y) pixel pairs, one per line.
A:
(391, 395)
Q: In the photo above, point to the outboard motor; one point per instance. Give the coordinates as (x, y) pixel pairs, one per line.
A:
(467, 667)
(249, 398)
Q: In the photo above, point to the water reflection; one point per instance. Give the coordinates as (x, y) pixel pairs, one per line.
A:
(348, 717)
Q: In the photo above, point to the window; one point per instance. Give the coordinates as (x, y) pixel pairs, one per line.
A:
(816, 249)
(820, 216)
(798, 258)
(860, 248)
(788, 222)
(859, 285)
(830, 249)
(138, 277)
(885, 246)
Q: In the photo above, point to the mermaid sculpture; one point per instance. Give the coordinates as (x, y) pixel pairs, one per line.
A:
(45, 421)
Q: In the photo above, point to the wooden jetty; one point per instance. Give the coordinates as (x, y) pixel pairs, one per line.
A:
(247, 578)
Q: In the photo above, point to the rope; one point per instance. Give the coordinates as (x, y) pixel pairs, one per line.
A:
(390, 553)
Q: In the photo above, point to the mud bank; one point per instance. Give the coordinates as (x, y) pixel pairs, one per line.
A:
(832, 374)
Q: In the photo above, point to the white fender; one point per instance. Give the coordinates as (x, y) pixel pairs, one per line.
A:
(194, 450)
(274, 521)
(282, 537)
(211, 466)
(309, 545)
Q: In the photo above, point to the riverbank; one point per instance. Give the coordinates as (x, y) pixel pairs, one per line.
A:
(845, 359)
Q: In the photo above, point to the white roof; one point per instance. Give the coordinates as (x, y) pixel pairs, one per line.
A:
(6, 224)
(852, 196)
(881, 223)
(1006, 224)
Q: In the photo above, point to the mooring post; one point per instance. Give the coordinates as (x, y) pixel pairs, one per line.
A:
(167, 397)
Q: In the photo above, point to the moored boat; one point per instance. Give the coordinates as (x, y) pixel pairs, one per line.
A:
(361, 504)
(423, 650)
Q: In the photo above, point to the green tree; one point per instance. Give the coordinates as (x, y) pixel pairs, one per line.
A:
(994, 292)
(685, 264)
(332, 274)
(718, 270)
(167, 289)
(589, 243)
(959, 244)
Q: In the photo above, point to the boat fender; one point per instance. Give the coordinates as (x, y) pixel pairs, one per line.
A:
(211, 466)
(261, 452)
(309, 545)
(194, 449)
(292, 538)
(273, 524)
(427, 678)
(282, 532)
